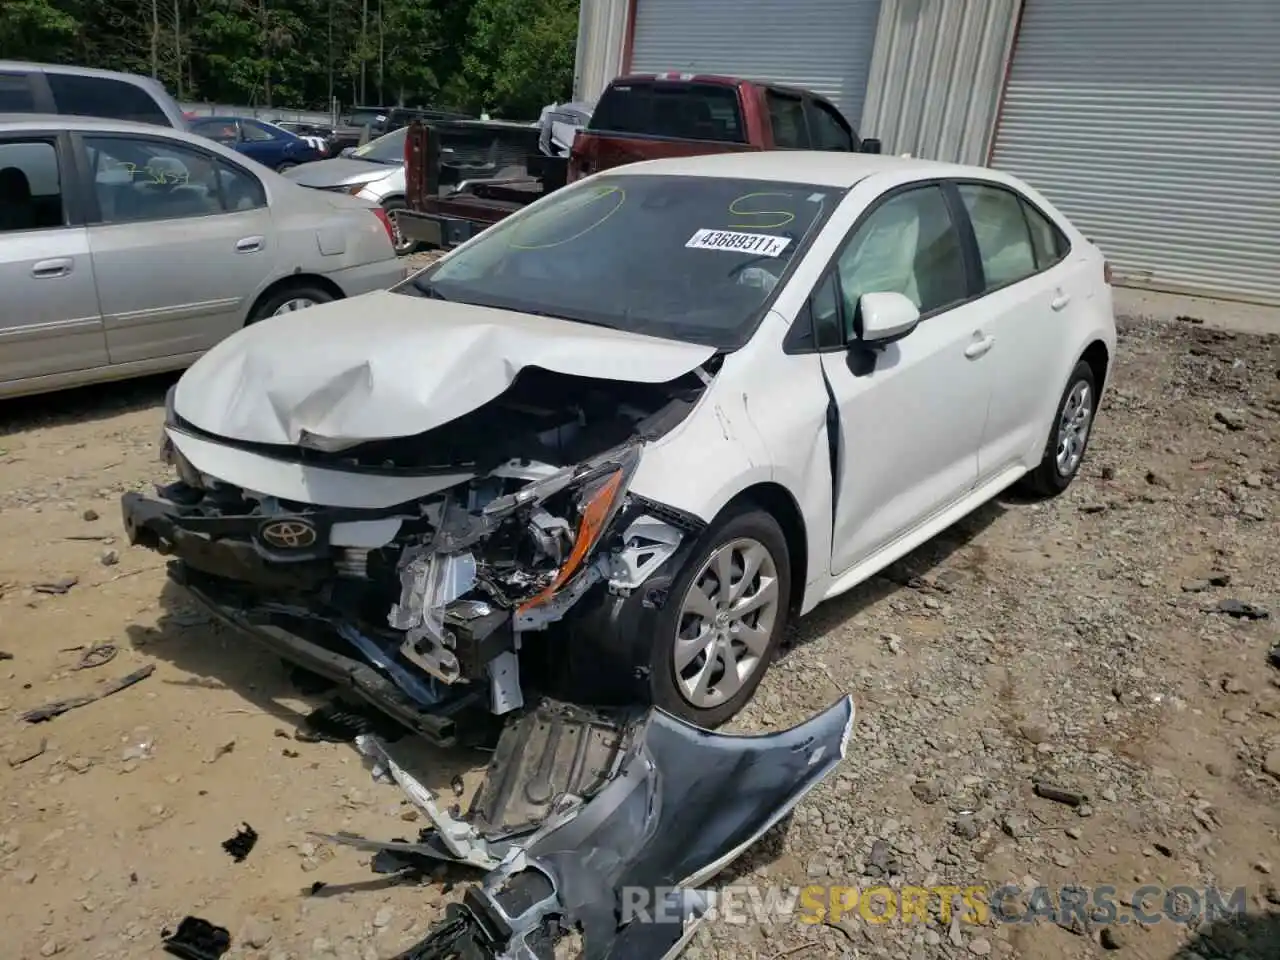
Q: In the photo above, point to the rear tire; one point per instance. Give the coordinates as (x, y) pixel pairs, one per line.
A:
(402, 247)
(698, 630)
(289, 299)
(1069, 435)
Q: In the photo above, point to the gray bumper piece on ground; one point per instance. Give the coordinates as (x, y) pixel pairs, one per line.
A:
(621, 868)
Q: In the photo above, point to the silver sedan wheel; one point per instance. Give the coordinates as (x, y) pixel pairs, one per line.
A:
(1073, 428)
(725, 622)
(289, 306)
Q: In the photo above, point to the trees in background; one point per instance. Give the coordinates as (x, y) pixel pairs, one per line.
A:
(507, 57)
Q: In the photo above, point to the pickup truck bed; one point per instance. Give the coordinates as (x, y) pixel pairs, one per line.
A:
(643, 117)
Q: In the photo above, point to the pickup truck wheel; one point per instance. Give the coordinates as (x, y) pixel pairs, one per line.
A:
(723, 620)
(403, 247)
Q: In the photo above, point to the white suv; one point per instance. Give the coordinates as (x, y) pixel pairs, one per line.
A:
(84, 92)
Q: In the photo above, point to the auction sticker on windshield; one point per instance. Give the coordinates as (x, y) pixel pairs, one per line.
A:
(762, 244)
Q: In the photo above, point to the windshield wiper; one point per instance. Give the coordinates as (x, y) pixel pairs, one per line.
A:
(428, 289)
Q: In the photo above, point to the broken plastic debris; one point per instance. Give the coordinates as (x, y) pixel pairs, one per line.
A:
(56, 586)
(59, 707)
(197, 939)
(684, 804)
(242, 843)
(96, 656)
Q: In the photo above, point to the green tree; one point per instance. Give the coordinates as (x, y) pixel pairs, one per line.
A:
(520, 56)
(36, 29)
(509, 57)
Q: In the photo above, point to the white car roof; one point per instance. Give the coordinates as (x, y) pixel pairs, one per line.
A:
(819, 167)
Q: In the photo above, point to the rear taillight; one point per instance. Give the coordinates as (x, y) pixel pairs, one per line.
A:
(385, 219)
(1106, 272)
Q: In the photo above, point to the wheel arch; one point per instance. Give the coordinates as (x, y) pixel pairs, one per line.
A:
(1098, 357)
(781, 504)
(295, 280)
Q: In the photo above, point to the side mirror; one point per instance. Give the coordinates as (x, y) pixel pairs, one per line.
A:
(871, 145)
(886, 317)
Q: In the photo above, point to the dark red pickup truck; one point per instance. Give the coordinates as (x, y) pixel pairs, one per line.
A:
(641, 117)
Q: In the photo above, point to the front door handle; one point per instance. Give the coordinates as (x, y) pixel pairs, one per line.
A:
(249, 245)
(47, 269)
(979, 347)
(1060, 301)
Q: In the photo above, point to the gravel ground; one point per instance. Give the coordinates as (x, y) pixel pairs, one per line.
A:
(1079, 643)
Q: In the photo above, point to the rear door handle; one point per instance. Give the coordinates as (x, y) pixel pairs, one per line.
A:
(1060, 301)
(47, 269)
(249, 245)
(979, 347)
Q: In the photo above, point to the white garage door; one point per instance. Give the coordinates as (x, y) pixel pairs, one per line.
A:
(821, 45)
(1155, 126)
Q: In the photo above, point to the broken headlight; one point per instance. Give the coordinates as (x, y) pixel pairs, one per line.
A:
(598, 488)
(167, 452)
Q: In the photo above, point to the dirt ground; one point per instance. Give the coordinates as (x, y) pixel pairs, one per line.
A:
(1077, 642)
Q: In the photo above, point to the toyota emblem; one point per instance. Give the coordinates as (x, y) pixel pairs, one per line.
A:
(289, 534)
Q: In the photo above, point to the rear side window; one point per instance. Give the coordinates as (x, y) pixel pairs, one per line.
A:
(222, 131)
(1004, 240)
(1049, 242)
(687, 111)
(15, 94)
(786, 117)
(254, 133)
(30, 186)
(104, 97)
(137, 180)
(828, 129)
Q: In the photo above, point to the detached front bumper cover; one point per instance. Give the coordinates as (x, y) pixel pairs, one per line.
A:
(620, 868)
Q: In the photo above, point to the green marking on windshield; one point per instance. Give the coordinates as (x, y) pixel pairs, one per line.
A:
(772, 219)
(574, 205)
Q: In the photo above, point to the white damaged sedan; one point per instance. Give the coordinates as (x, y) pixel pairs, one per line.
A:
(608, 447)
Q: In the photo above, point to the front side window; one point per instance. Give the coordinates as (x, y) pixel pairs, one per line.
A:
(1004, 241)
(909, 245)
(786, 117)
(688, 258)
(104, 97)
(138, 180)
(30, 186)
(15, 94)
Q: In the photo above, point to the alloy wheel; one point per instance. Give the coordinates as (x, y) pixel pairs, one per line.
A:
(725, 622)
(1073, 428)
(291, 306)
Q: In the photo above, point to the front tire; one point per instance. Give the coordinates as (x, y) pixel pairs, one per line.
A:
(1068, 436)
(723, 621)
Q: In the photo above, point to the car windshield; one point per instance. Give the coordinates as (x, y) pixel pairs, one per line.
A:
(388, 149)
(687, 258)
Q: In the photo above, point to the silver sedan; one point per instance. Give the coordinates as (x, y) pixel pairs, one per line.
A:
(128, 249)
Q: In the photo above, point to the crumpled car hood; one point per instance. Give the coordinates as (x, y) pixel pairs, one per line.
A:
(386, 365)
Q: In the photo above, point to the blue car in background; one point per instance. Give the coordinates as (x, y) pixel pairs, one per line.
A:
(266, 143)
